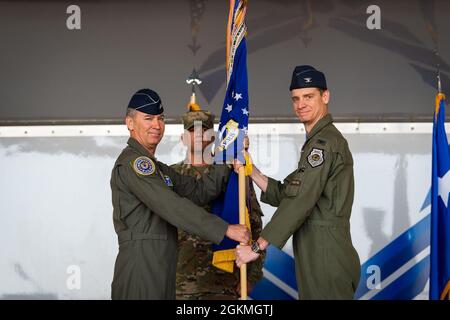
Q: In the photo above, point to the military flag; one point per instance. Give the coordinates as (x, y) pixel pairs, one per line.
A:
(440, 218)
(233, 129)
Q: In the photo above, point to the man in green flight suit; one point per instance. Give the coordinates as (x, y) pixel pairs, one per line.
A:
(315, 201)
(150, 202)
(197, 278)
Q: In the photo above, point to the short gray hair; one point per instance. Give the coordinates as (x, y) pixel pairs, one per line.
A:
(130, 112)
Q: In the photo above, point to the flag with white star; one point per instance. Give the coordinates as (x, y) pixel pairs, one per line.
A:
(234, 118)
(440, 213)
(232, 130)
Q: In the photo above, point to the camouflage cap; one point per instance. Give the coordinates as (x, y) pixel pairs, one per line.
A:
(195, 113)
(206, 117)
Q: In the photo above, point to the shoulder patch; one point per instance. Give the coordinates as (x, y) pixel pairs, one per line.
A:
(144, 166)
(315, 157)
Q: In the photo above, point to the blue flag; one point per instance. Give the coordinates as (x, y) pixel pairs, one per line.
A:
(234, 118)
(232, 128)
(440, 218)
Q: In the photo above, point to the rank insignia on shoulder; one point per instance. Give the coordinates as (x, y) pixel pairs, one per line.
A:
(168, 181)
(144, 166)
(315, 157)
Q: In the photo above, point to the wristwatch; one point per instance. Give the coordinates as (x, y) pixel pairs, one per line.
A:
(255, 247)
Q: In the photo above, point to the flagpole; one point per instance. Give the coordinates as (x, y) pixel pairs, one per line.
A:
(242, 205)
(236, 21)
(439, 97)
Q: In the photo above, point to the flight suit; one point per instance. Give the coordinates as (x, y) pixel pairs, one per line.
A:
(314, 205)
(150, 201)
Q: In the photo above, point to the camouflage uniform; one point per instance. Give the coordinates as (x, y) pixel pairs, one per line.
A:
(197, 278)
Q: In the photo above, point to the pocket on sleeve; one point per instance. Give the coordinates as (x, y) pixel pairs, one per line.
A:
(293, 188)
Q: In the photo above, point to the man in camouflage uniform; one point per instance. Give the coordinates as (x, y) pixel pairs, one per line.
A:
(197, 278)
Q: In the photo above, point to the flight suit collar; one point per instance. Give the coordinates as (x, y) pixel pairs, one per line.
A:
(133, 143)
(322, 123)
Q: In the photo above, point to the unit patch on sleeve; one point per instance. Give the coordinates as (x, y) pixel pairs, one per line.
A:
(144, 166)
(315, 157)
